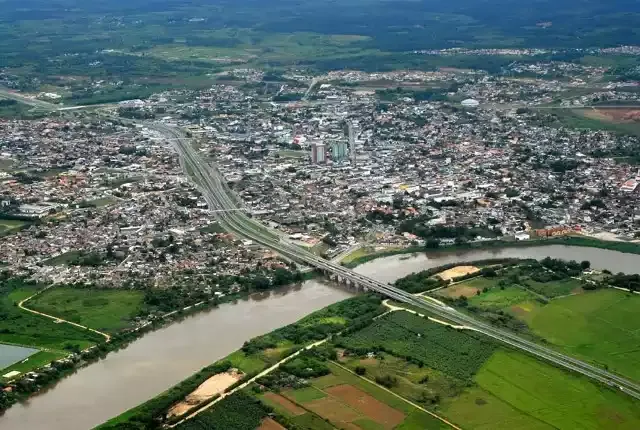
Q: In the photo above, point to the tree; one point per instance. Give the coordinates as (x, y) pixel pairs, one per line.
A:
(432, 244)
(488, 272)
(585, 265)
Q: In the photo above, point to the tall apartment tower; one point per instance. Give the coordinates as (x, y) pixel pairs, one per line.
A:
(318, 153)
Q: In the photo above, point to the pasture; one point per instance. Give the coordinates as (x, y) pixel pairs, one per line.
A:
(105, 310)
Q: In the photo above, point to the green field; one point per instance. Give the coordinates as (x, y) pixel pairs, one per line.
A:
(62, 259)
(497, 299)
(35, 361)
(457, 353)
(307, 394)
(601, 326)
(104, 310)
(10, 225)
(246, 363)
(555, 288)
(576, 118)
(20, 327)
(421, 385)
(517, 391)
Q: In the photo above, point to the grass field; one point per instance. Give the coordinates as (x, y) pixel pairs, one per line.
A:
(105, 310)
(62, 259)
(246, 363)
(585, 119)
(555, 288)
(20, 327)
(601, 326)
(517, 391)
(287, 153)
(35, 361)
(10, 225)
(497, 299)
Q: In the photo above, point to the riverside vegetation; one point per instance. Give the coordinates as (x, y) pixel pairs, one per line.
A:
(403, 371)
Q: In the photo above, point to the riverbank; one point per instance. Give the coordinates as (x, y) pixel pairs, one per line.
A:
(163, 358)
(41, 375)
(624, 247)
(292, 374)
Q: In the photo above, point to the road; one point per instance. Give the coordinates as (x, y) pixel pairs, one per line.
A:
(21, 305)
(224, 206)
(250, 381)
(222, 201)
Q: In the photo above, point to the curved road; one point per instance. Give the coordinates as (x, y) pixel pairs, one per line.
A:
(21, 305)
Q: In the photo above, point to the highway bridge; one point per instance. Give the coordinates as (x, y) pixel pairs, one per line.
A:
(222, 202)
(224, 206)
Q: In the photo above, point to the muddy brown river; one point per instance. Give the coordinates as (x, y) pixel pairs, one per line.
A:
(164, 357)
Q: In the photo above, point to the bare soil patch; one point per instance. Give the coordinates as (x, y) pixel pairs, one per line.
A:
(333, 410)
(519, 310)
(269, 424)
(622, 115)
(369, 406)
(454, 272)
(208, 389)
(287, 404)
(456, 291)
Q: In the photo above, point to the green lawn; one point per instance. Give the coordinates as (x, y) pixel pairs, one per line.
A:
(105, 310)
(550, 395)
(602, 326)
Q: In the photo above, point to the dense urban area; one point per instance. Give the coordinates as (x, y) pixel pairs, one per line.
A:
(129, 205)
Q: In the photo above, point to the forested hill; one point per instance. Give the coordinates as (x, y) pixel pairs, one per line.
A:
(393, 25)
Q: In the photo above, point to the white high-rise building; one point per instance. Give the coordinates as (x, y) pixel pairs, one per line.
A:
(318, 153)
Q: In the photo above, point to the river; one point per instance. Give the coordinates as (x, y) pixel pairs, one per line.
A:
(164, 357)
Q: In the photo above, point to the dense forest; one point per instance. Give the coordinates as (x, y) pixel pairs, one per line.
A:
(117, 38)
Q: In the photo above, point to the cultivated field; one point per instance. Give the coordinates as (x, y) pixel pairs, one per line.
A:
(517, 391)
(348, 401)
(456, 353)
(601, 326)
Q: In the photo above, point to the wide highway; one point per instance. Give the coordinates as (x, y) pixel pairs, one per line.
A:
(224, 206)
